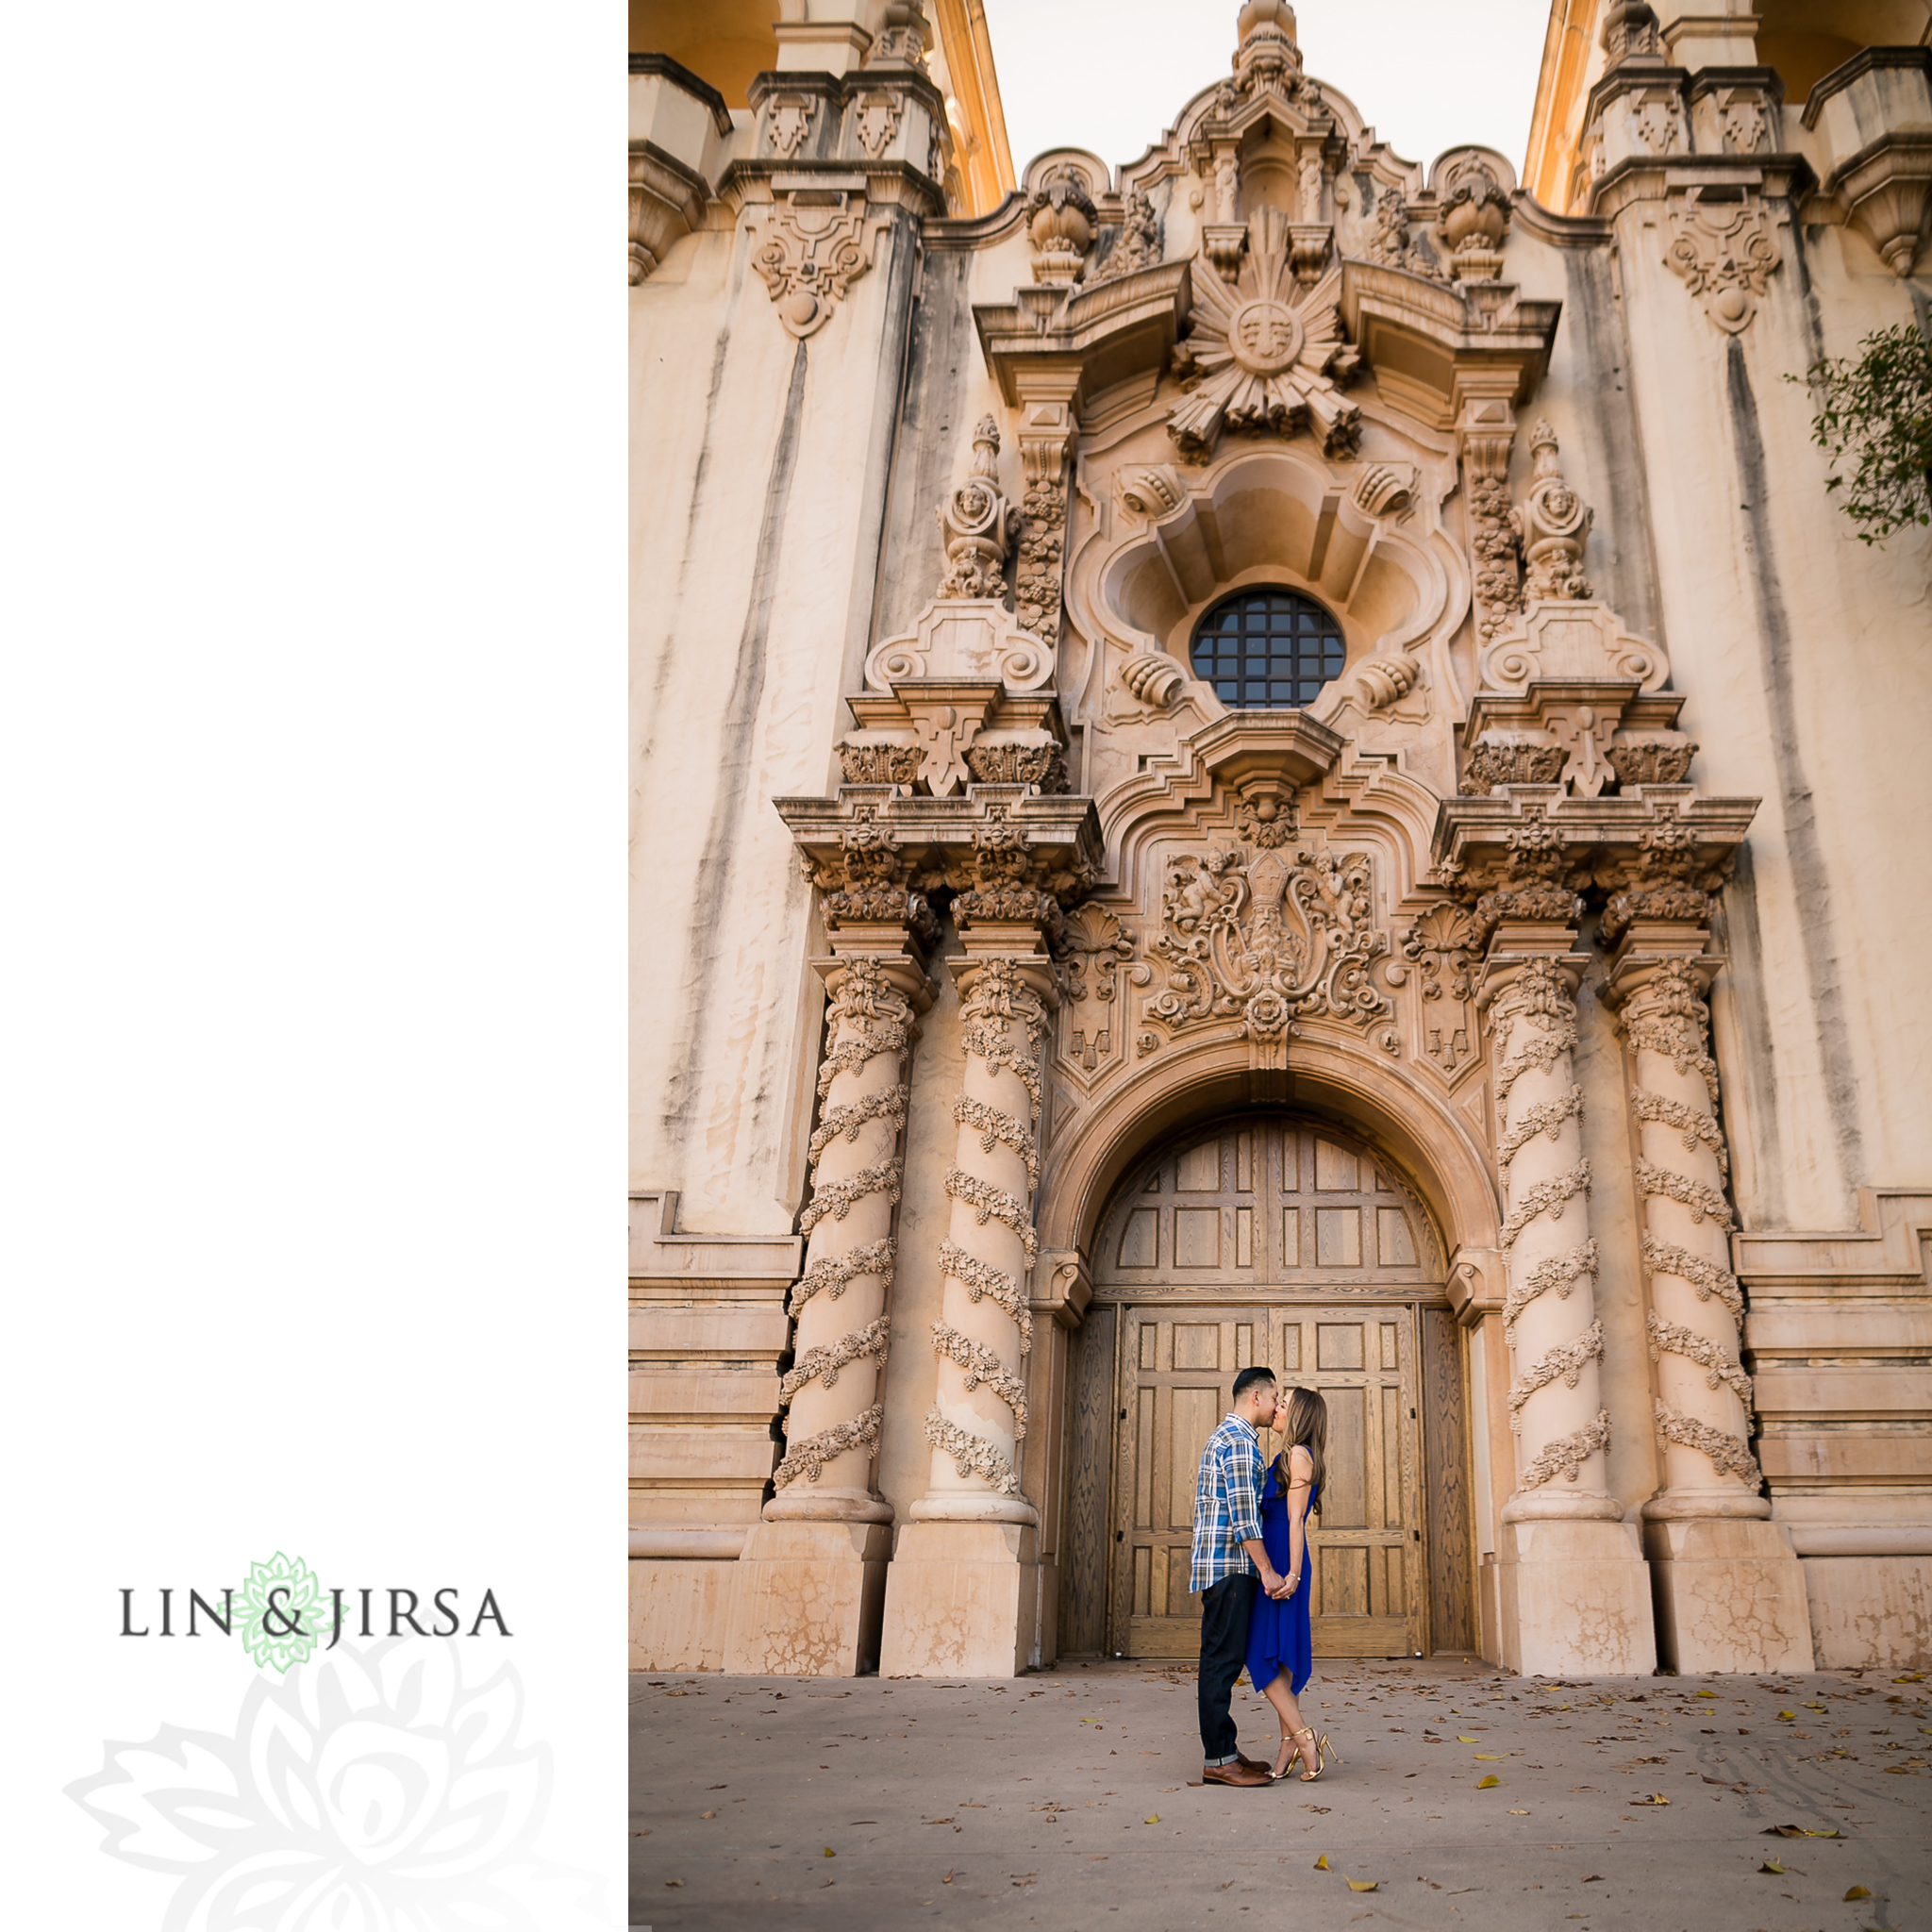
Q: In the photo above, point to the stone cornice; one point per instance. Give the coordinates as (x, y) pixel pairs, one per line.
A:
(1639, 179)
(1439, 338)
(1094, 336)
(1584, 839)
(684, 79)
(936, 837)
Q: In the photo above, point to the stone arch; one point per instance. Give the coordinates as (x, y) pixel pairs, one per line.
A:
(1189, 1082)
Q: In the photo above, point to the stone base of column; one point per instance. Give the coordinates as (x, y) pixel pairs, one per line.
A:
(1574, 1600)
(963, 1599)
(809, 1600)
(1730, 1595)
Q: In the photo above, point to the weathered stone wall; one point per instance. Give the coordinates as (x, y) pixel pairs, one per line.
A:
(812, 418)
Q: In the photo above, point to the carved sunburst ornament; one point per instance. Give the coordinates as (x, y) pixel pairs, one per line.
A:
(1266, 354)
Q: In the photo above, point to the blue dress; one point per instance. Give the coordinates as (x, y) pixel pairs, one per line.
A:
(1278, 1636)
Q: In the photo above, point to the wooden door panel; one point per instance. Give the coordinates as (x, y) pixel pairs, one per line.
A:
(1284, 1243)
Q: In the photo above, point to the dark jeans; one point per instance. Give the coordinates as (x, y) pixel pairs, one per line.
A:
(1224, 1608)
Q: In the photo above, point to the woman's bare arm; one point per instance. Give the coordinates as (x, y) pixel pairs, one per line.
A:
(1301, 1476)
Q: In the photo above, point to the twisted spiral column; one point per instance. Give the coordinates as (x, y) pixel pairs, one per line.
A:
(1696, 1308)
(833, 1391)
(985, 1331)
(1549, 1315)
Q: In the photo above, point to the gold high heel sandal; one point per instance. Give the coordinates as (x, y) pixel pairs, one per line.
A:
(1323, 1751)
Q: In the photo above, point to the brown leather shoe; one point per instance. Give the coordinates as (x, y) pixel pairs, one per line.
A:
(1255, 1763)
(1242, 1772)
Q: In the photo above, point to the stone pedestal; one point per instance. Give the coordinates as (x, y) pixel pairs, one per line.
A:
(962, 1600)
(1573, 1599)
(807, 1600)
(1730, 1595)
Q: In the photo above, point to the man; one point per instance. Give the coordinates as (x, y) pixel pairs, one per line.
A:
(1229, 1556)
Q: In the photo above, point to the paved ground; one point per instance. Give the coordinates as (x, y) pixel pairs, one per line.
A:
(1062, 1799)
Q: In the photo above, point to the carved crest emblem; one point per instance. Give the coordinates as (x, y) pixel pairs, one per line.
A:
(1269, 938)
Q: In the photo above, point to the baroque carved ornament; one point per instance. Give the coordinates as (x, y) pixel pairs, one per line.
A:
(808, 257)
(1269, 936)
(1726, 252)
(1265, 355)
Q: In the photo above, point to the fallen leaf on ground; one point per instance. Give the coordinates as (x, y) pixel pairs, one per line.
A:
(670, 1882)
(1361, 1885)
(830, 1853)
(1460, 1739)
(1322, 1863)
(1595, 1878)
(1489, 1757)
(947, 1879)
(1483, 1784)
(1514, 1813)
(1153, 1818)
(1858, 1891)
(1654, 1798)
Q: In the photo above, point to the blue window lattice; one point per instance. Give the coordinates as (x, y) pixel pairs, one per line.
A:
(1264, 649)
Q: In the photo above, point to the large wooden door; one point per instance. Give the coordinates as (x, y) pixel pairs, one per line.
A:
(1177, 1369)
(1284, 1243)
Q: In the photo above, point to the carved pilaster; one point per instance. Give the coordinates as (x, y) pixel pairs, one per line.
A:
(984, 1330)
(1555, 1338)
(1047, 427)
(1683, 1172)
(1486, 433)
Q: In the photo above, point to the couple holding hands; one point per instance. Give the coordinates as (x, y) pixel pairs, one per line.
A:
(1252, 1568)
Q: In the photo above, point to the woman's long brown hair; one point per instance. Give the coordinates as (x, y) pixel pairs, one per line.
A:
(1307, 1427)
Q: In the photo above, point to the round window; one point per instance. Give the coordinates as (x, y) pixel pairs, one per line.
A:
(1262, 649)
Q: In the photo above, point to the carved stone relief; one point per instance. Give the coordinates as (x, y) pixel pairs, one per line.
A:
(1094, 948)
(810, 255)
(1551, 525)
(1061, 224)
(1726, 252)
(1443, 948)
(1266, 356)
(1140, 242)
(1269, 936)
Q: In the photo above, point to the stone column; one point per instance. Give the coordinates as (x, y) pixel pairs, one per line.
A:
(963, 1594)
(1573, 1592)
(812, 1582)
(1730, 1591)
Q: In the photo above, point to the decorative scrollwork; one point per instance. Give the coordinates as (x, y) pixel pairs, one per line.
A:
(1541, 1051)
(972, 1455)
(1566, 1456)
(978, 1278)
(1721, 1369)
(835, 1198)
(808, 1458)
(1697, 1127)
(1566, 1362)
(982, 1365)
(822, 1364)
(831, 1275)
(990, 1202)
(1705, 1203)
(1546, 1117)
(993, 1126)
(1560, 1272)
(1548, 1197)
(1705, 1277)
(1269, 940)
(1729, 1454)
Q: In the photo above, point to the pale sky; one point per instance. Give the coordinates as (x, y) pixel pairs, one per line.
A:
(1113, 74)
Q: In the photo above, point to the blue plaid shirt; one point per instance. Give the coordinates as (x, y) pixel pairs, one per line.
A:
(1227, 1504)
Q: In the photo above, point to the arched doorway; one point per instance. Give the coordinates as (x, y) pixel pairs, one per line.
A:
(1284, 1239)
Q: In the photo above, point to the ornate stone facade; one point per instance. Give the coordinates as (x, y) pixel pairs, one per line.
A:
(1536, 921)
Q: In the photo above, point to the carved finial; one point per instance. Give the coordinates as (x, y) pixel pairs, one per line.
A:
(1551, 524)
(1062, 226)
(1268, 56)
(1630, 33)
(904, 37)
(1472, 219)
(974, 521)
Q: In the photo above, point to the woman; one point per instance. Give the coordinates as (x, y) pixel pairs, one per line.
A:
(1280, 1650)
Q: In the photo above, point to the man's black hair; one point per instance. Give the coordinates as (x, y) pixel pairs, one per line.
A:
(1249, 1377)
